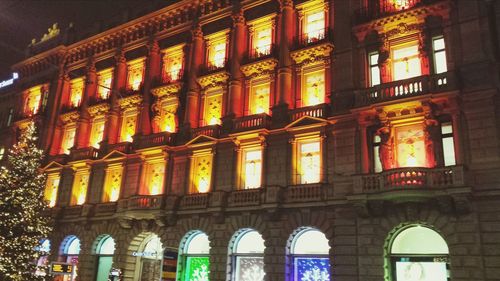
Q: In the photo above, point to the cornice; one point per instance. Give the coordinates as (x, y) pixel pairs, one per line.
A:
(70, 117)
(259, 68)
(167, 91)
(130, 102)
(98, 109)
(312, 54)
(213, 80)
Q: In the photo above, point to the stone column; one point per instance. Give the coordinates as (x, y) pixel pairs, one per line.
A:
(54, 138)
(196, 60)
(119, 83)
(83, 123)
(152, 74)
(238, 40)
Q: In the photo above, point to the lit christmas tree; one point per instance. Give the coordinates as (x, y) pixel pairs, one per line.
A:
(21, 204)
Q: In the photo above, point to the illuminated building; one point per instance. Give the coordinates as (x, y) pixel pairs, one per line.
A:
(273, 140)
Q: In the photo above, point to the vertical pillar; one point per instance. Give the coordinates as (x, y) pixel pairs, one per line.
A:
(152, 74)
(83, 123)
(235, 105)
(457, 129)
(62, 85)
(365, 160)
(287, 28)
(196, 59)
(119, 83)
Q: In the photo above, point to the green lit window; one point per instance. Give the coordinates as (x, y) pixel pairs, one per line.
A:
(196, 258)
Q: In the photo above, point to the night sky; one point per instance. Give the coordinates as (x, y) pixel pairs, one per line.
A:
(22, 20)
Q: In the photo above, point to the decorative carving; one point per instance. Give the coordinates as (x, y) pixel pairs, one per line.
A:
(125, 222)
(196, 31)
(259, 68)
(238, 18)
(98, 109)
(120, 56)
(130, 102)
(70, 117)
(312, 54)
(213, 80)
(286, 4)
(170, 90)
(386, 147)
(432, 137)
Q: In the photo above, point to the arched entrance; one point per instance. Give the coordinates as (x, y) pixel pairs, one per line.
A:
(68, 252)
(104, 251)
(149, 259)
(247, 256)
(418, 253)
(309, 255)
(195, 261)
(43, 261)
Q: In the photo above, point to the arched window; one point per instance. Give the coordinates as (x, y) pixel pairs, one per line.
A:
(248, 256)
(195, 257)
(310, 256)
(151, 258)
(418, 253)
(70, 249)
(43, 260)
(105, 250)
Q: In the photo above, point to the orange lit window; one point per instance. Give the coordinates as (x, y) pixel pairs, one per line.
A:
(252, 168)
(76, 92)
(201, 167)
(33, 98)
(68, 140)
(173, 60)
(97, 133)
(129, 122)
(112, 183)
(168, 120)
(80, 186)
(410, 146)
(315, 24)
(309, 161)
(154, 175)
(50, 194)
(261, 31)
(259, 98)
(314, 88)
(213, 107)
(135, 74)
(405, 62)
(216, 45)
(104, 80)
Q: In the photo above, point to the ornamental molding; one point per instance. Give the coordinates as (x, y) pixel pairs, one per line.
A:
(402, 29)
(213, 80)
(166, 91)
(98, 109)
(259, 68)
(130, 102)
(70, 117)
(312, 54)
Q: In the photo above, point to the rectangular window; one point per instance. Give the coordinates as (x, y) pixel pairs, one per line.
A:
(112, 183)
(68, 139)
(314, 25)
(252, 168)
(216, 48)
(76, 92)
(104, 80)
(309, 162)
(32, 102)
(406, 62)
(173, 60)
(135, 74)
(377, 164)
(410, 146)
(213, 107)
(51, 187)
(97, 133)
(438, 47)
(168, 118)
(80, 185)
(374, 69)
(448, 144)
(154, 175)
(129, 122)
(259, 98)
(201, 167)
(314, 88)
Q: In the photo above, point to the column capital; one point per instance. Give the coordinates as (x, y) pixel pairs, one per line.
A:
(286, 4)
(153, 46)
(90, 67)
(120, 56)
(197, 32)
(238, 18)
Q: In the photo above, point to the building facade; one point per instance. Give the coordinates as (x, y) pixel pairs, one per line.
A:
(272, 140)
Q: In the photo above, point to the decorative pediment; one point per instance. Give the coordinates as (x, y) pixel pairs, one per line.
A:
(312, 54)
(70, 117)
(98, 109)
(130, 101)
(113, 155)
(201, 140)
(167, 91)
(213, 80)
(306, 121)
(259, 68)
(53, 165)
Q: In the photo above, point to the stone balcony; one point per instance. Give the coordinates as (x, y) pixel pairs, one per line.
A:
(318, 111)
(153, 140)
(84, 154)
(252, 122)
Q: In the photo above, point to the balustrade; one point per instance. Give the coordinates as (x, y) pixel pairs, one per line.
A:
(318, 111)
(305, 192)
(145, 202)
(252, 122)
(247, 197)
(194, 201)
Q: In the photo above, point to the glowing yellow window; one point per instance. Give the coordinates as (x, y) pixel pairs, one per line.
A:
(315, 24)
(400, 4)
(310, 162)
(79, 191)
(252, 168)
(259, 98)
(154, 175)
(76, 92)
(135, 74)
(410, 146)
(173, 64)
(314, 88)
(104, 80)
(263, 40)
(216, 49)
(202, 174)
(50, 194)
(128, 126)
(406, 63)
(68, 139)
(33, 98)
(168, 121)
(97, 132)
(213, 108)
(112, 183)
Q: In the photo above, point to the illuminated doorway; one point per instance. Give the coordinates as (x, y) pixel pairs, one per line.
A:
(309, 255)
(247, 256)
(105, 251)
(195, 257)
